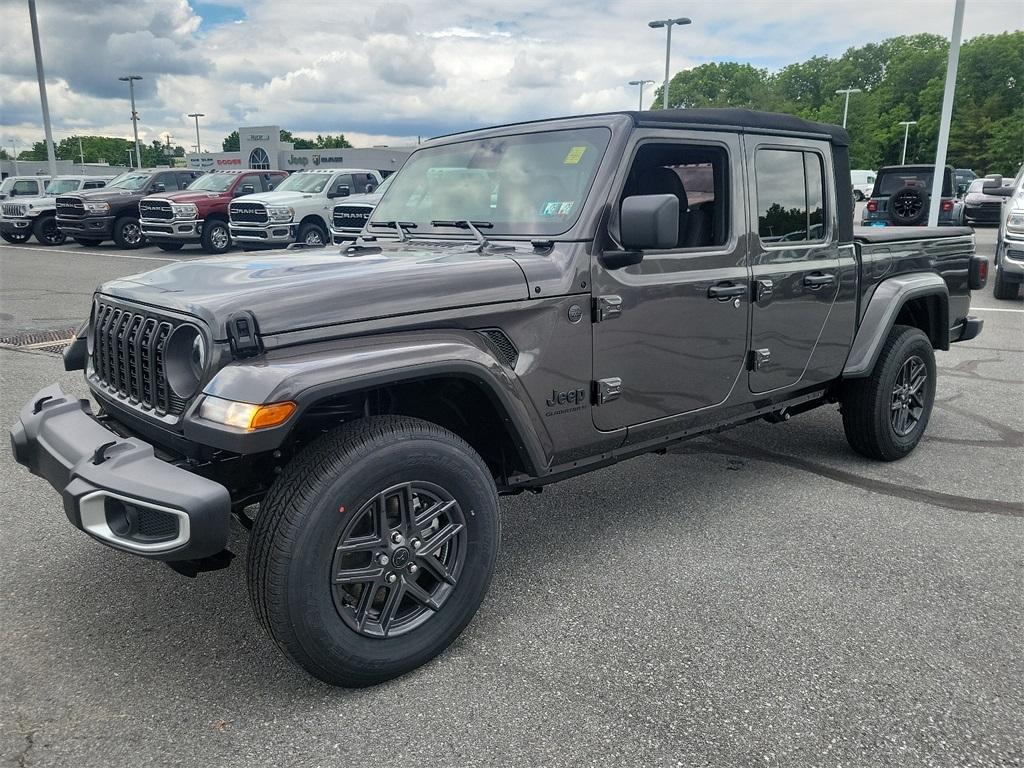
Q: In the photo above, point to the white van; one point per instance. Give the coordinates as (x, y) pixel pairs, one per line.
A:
(863, 183)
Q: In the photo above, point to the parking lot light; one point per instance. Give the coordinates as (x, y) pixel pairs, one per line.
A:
(641, 83)
(130, 79)
(668, 24)
(906, 132)
(846, 106)
(197, 115)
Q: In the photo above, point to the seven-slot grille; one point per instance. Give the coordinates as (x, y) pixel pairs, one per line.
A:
(13, 209)
(156, 209)
(128, 357)
(70, 206)
(248, 212)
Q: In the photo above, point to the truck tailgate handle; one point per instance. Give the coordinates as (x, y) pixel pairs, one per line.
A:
(817, 280)
(724, 291)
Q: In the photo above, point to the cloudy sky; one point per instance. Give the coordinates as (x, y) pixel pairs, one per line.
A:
(386, 72)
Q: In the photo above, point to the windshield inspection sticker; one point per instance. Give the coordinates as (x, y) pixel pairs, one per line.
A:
(557, 208)
(574, 155)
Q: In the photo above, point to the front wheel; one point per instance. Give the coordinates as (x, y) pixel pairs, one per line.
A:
(885, 414)
(312, 235)
(1002, 288)
(216, 237)
(858, 196)
(373, 549)
(14, 238)
(128, 233)
(47, 232)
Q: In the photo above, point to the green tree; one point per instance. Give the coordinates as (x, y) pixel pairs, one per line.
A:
(716, 84)
(332, 142)
(231, 142)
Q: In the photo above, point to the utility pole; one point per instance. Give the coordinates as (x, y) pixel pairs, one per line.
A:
(14, 146)
(197, 115)
(50, 156)
(668, 24)
(130, 79)
(846, 106)
(906, 132)
(81, 153)
(947, 113)
(641, 83)
(167, 144)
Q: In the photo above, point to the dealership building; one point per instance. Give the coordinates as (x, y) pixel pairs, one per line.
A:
(261, 147)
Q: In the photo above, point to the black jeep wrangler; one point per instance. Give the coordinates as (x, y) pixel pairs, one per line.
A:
(527, 303)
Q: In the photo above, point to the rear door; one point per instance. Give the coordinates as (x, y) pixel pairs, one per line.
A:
(794, 255)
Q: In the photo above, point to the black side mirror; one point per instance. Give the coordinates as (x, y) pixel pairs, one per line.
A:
(994, 186)
(650, 222)
(247, 189)
(341, 190)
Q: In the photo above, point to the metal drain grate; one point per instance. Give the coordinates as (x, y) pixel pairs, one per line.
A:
(41, 341)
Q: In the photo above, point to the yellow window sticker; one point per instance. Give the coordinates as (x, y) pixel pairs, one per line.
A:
(574, 155)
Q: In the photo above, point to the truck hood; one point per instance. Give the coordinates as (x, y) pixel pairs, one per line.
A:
(187, 196)
(300, 289)
(280, 198)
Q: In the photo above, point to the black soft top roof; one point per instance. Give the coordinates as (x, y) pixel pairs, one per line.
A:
(743, 120)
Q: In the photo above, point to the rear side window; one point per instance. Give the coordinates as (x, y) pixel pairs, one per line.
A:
(184, 179)
(94, 184)
(790, 196)
(893, 181)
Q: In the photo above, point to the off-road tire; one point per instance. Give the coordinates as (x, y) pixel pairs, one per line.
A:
(867, 403)
(295, 535)
(209, 228)
(87, 242)
(47, 232)
(122, 229)
(170, 247)
(1003, 289)
(307, 229)
(858, 196)
(15, 238)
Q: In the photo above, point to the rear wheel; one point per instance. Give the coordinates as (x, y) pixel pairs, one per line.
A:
(128, 233)
(885, 414)
(15, 237)
(858, 195)
(312, 234)
(170, 247)
(374, 549)
(1003, 288)
(47, 232)
(216, 237)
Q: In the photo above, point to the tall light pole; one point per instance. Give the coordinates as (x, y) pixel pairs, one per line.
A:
(846, 106)
(641, 83)
(947, 113)
(197, 115)
(668, 24)
(906, 132)
(50, 156)
(130, 79)
(14, 146)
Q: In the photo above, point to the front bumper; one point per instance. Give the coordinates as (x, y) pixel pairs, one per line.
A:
(89, 227)
(344, 235)
(116, 489)
(172, 230)
(263, 234)
(16, 226)
(1010, 258)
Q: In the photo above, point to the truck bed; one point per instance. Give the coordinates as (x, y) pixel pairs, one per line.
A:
(903, 234)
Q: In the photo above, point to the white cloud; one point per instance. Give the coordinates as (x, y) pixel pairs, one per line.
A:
(388, 72)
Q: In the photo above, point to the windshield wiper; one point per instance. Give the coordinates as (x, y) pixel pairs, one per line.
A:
(400, 226)
(474, 227)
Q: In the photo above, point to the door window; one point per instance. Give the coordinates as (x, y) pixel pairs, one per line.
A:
(696, 174)
(251, 180)
(790, 196)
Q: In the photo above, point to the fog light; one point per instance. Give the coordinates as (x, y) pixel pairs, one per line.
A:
(247, 416)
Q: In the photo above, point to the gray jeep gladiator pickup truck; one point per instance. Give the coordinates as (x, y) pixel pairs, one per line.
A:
(526, 303)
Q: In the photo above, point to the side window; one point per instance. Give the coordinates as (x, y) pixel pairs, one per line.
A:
(271, 180)
(790, 196)
(344, 180)
(698, 175)
(94, 184)
(249, 180)
(184, 179)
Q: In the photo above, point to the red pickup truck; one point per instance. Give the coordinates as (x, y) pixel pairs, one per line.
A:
(199, 214)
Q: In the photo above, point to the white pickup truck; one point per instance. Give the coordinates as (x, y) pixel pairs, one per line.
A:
(22, 217)
(298, 210)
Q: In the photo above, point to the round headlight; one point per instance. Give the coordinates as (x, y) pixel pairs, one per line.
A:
(185, 360)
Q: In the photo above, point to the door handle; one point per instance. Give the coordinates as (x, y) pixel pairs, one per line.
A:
(724, 291)
(818, 280)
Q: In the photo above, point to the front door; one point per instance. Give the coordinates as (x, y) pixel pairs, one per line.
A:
(794, 256)
(673, 329)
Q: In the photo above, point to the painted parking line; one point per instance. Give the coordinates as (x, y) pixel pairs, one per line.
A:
(995, 309)
(84, 252)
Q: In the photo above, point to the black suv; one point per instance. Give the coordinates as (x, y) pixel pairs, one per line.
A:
(902, 195)
(526, 303)
(112, 213)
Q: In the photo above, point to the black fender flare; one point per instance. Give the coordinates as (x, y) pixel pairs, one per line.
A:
(311, 373)
(880, 315)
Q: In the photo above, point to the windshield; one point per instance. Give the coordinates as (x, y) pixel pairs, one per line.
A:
(130, 180)
(213, 182)
(526, 185)
(304, 182)
(62, 186)
(891, 182)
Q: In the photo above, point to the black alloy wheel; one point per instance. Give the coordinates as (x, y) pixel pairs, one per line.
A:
(399, 559)
(47, 232)
(908, 206)
(907, 403)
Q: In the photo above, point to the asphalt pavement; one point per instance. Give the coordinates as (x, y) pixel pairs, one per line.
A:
(762, 597)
